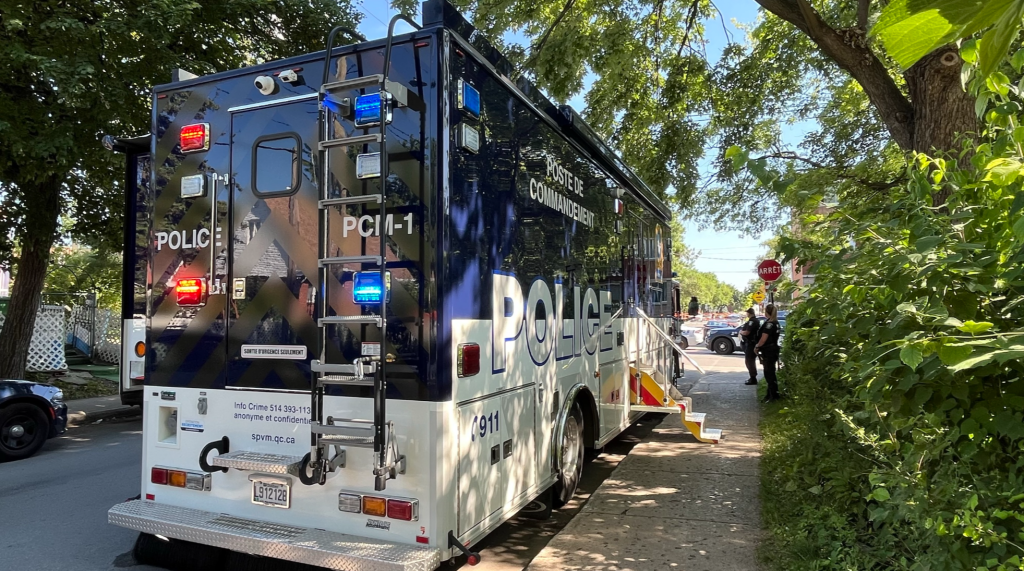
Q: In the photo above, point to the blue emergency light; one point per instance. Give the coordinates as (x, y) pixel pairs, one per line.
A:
(469, 99)
(368, 110)
(367, 288)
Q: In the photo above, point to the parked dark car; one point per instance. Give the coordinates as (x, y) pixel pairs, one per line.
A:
(726, 340)
(29, 414)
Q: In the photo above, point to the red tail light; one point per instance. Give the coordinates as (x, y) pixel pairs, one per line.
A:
(195, 138)
(158, 476)
(191, 291)
(403, 509)
(468, 359)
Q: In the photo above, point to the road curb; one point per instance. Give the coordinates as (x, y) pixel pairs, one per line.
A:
(81, 418)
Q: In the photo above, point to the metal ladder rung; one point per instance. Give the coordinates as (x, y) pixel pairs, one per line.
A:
(362, 429)
(348, 380)
(362, 199)
(354, 441)
(349, 141)
(355, 83)
(349, 319)
(350, 260)
(318, 367)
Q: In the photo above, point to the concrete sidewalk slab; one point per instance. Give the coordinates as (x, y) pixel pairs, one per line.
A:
(675, 503)
(86, 411)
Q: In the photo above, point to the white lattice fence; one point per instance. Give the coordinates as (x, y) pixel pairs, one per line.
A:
(46, 351)
(108, 337)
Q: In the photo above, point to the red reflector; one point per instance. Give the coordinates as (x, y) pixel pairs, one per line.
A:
(195, 137)
(158, 476)
(468, 359)
(400, 509)
(150, 497)
(421, 539)
(191, 291)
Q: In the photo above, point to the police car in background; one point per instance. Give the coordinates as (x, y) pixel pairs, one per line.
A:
(726, 340)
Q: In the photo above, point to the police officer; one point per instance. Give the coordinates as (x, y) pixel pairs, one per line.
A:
(748, 337)
(768, 348)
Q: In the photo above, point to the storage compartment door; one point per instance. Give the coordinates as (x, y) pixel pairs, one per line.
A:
(518, 442)
(480, 441)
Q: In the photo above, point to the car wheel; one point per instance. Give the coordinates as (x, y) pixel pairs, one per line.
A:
(723, 346)
(23, 431)
(570, 462)
(684, 344)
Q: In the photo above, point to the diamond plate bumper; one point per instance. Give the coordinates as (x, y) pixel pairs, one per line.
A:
(304, 545)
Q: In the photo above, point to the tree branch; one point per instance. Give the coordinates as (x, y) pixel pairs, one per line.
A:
(851, 53)
(863, 9)
(536, 48)
(839, 171)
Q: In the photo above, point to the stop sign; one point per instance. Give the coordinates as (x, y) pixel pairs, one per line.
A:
(769, 270)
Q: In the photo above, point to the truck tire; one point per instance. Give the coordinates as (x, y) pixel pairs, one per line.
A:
(23, 430)
(570, 463)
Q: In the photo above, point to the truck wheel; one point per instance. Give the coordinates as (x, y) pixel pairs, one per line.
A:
(540, 507)
(23, 431)
(723, 346)
(570, 462)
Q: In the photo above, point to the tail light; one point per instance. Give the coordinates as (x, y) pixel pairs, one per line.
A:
(194, 138)
(352, 503)
(375, 506)
(468, 359)
(191, 291)
(158, 476)
(179, 478)
(403, 509)
(176, 478)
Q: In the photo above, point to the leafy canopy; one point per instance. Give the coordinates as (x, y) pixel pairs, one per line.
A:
(73, 70)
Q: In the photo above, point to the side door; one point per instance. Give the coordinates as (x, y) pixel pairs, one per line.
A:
(272, 276)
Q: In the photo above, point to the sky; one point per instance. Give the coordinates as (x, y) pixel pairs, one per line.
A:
(729, 255)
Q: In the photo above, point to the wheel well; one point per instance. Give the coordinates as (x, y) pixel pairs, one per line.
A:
(590, 419)
(35, 401)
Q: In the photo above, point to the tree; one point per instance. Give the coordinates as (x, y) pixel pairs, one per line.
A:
(659, 100)
(72, 70)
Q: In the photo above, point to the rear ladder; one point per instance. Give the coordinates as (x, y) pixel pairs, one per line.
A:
(338, 433)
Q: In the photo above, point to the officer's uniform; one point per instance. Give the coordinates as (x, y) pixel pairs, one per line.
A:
(770, 354)
(749, 340)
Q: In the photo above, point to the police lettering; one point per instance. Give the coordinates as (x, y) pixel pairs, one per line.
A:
(178, 239)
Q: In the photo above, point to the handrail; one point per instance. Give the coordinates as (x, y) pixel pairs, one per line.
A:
(671, 341)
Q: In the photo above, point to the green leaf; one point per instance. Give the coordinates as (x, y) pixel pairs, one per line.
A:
(969, 51)
(910, 32)
(1018, 199)
(974, 327)
(953, 354)
(911, 355)
(738, 155)
(1003, 171)
(927, 243)
(1018, 228)
(1017, 61)
(879, 494)
(996, 42)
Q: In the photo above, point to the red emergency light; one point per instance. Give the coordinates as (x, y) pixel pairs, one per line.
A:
(195, 138)
(191, 291)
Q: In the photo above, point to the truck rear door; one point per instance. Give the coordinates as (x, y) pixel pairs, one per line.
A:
(272, 332)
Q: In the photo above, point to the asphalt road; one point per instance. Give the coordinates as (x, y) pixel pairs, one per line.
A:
(53, 506)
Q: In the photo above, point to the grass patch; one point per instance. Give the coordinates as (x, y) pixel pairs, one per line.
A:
(94, 388)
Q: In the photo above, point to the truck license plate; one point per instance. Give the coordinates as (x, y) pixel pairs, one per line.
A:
(275, 492)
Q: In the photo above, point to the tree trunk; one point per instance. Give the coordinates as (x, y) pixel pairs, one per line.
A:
(943, 111)
(42, 202)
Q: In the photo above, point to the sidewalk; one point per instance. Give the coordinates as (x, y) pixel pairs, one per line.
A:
(87, 411)
(675, 503)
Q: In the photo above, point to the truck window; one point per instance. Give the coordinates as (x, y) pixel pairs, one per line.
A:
(275, 165)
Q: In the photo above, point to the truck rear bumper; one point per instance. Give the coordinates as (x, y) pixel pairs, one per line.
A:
(304, 545)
